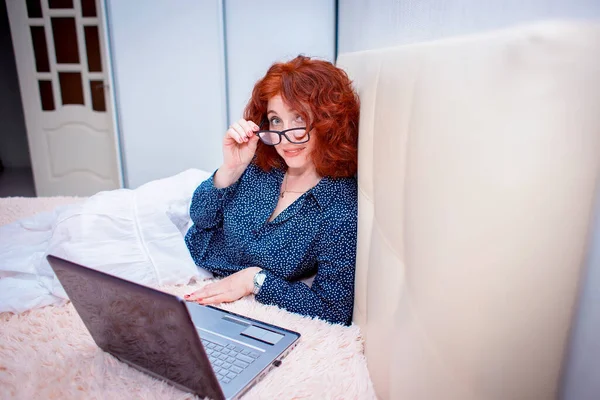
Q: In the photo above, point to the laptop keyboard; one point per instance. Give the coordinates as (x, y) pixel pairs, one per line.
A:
(228, 361)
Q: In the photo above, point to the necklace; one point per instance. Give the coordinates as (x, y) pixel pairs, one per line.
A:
(289, 191)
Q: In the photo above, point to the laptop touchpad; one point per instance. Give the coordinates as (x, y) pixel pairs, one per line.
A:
(262, 334)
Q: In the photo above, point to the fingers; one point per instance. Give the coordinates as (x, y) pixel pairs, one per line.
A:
(248, 126)
(207, 291)
(193, 296)
(242, 130)
(232, 288)
(212, 294)
(219, 298)
(218, 288)
(236, 132)
(254, 126)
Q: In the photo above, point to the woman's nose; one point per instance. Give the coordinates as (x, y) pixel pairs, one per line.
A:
(284, 137)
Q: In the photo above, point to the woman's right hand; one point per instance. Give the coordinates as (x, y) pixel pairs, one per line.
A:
(239, 146)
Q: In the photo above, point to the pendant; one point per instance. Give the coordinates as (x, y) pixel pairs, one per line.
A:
(282, 193)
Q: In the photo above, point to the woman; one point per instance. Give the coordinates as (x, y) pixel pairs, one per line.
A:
(283, 205)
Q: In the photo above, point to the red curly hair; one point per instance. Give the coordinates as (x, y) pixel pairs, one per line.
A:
(322, 94)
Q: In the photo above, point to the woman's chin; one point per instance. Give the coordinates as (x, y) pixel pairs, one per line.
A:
(296, 162)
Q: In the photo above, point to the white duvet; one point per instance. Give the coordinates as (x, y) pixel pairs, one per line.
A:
(134, 234)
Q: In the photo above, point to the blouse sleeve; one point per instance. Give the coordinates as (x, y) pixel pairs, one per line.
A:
(206, 212)
(331, 296)
(206, 209)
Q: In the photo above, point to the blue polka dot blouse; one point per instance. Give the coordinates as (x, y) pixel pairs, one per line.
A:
(315, 235)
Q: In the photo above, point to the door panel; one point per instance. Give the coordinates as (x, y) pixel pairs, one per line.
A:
(61, 59)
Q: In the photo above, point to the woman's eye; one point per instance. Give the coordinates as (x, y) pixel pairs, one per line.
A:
(299, 118)
(275, 121)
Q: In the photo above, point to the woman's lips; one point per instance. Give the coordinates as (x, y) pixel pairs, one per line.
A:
(292, 153)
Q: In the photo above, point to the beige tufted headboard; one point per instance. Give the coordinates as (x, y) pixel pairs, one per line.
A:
(478, 163)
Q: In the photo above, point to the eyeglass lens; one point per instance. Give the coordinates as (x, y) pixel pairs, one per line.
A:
(295, 135)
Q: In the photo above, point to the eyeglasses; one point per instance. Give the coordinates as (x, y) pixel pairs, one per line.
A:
(293, 135)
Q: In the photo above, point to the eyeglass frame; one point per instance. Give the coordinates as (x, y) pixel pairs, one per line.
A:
(283, 133)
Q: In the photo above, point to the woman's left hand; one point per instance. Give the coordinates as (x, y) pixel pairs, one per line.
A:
(229, 289)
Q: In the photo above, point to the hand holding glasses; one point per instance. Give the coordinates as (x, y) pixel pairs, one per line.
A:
(239, 146)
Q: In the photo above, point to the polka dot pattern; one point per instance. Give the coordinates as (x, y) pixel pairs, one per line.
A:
(315, 234)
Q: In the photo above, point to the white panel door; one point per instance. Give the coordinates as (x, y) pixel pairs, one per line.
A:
(61, 60)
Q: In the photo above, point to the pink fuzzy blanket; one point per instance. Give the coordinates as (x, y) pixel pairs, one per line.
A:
(48, 353)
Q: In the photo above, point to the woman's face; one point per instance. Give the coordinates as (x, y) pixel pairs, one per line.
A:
(281, 117)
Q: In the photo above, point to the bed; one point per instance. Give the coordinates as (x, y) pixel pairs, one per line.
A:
(47, 352)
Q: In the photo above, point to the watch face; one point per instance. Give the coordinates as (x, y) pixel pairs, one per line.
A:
(260, 278)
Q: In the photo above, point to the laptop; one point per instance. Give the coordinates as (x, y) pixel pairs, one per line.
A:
(199, 349)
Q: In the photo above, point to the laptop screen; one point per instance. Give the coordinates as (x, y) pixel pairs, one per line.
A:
(141, 326)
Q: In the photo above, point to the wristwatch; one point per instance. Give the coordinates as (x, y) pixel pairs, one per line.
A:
(259, 279)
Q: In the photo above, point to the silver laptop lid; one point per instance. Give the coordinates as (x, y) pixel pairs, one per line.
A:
(146, 328)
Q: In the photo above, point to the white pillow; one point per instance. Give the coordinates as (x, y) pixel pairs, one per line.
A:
(133, 234)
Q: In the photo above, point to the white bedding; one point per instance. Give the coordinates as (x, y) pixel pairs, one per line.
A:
(135, 234)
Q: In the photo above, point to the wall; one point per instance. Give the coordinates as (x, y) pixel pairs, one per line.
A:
(14, 151)
(365, 24)
(168, 71)
(582, 378)
(184, 70)
(261, 32)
